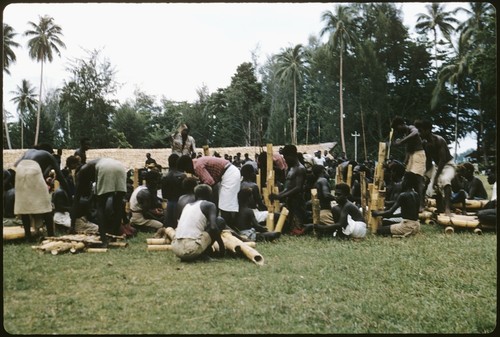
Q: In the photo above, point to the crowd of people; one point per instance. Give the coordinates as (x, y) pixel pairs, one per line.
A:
(199, 196)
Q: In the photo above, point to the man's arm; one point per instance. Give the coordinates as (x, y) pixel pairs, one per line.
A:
(300, 176)
(210, 211)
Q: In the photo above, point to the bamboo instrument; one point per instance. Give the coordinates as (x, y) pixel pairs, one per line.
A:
(155, 241)
(276, 204)
(270, 221)
(338, 175)
(362, 178)
(235, 245)
(78, 246)
(14, 232)
(157, 247)
(377, 189)
(64, 247)
(281, 220)
(136, 178)
(349, 175)
(170, 233)
(257, 181)
(456, 221)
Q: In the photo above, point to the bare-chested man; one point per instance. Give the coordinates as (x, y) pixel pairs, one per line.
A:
(415, 160)
(440, 166)
(408, 200)
(293, 193)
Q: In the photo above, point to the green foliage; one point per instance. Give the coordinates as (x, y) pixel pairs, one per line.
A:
(430, 283)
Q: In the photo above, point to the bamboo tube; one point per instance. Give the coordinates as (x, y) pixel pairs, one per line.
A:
(281, 220)
(136, 178)
(56, 184)
(14, 232)
(270, 221)
(465, 222)
(257, 180)
(265, 196)
(449, 230)
(155, 241)
(118, 244)
(362, 178)
(170, 233)
(156, 247)
(378, 186)
(64, 247)
(251, 254)
(338, 175)
(51, 245)
(206, 150)
(78, 246)
(235, 245)
(97, 250)
(349, 175)
(276, 204)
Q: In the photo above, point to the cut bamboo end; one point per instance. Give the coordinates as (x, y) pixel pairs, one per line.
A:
(281, 220)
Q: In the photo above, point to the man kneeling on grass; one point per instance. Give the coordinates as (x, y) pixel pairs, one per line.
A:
(198, 227)
(409, 202)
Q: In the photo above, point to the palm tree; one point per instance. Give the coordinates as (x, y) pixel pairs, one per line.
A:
(453, 74)
(9, 57)
(340, 27)
(291, 66)
(25, 98)
(44, 40)
(436, 18)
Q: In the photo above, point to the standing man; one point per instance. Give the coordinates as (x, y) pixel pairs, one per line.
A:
(182, 142)
(293, 193)
(198, 228)
(110, 179)
(440, 167)
(82, 150)
(31, 192)
(415, 160)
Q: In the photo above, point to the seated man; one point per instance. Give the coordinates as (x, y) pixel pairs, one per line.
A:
(247, 224)
(324, 195)
(147, 214)
(488, 215)
(409, 202)
(349, 220)
(198, 227)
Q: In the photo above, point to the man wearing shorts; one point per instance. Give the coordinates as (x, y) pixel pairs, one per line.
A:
(415, 160)
(408, 200)
(198, 227)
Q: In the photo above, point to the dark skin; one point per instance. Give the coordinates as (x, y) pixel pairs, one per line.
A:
(324, 193)
(346, 208)
(245, 219)
(436, 150)
(209, 209)
(413, 143)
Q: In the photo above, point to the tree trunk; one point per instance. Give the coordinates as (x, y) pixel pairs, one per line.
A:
(456, 123)
(341, 101)
(37, 131)
(6, 128)
(294, 136)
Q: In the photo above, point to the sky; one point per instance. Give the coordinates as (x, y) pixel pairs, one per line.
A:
(168, 49)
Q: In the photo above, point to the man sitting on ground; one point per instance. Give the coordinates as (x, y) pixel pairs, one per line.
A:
(198, 227)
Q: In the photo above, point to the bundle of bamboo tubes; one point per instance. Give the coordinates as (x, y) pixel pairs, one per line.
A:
(76, 243)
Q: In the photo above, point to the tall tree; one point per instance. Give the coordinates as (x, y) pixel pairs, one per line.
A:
(453, 74)
(25, 98)
(45, 40)
(436, 19)
(340, 27)
(292, 64)
(9, 57)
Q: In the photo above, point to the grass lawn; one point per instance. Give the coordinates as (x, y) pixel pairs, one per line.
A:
(430, 283)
